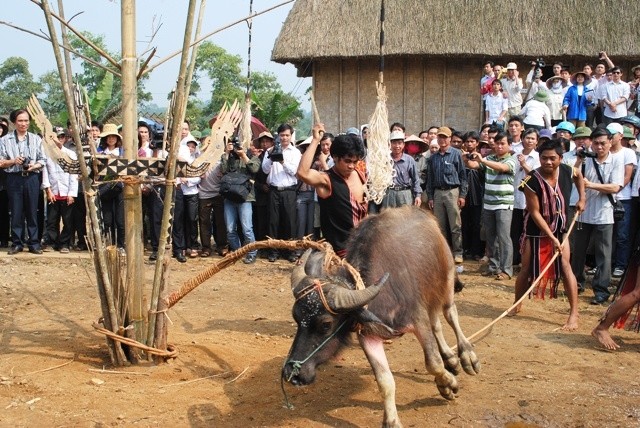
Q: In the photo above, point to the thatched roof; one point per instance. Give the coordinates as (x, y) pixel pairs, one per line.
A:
(322, 29)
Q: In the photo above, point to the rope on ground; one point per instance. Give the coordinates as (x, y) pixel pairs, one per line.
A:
(533, 285)
(332, 261)
(170, 352)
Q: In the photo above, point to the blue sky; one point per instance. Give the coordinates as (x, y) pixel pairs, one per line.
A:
(103, 17)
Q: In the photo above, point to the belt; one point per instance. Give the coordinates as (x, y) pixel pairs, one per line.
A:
(399, 188)
(283, 188)
(446, 187)
(22, 173)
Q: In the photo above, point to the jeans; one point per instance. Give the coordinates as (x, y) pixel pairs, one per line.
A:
(601, 235)
(243, 211)
(23, 192)
(497, 226)
(623, 238)
(305, 209)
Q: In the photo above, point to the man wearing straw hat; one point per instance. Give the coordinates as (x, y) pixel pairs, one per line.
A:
(547, 190)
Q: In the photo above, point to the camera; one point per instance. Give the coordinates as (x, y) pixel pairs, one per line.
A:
(583, 153)
(26, 162)
(276, 154)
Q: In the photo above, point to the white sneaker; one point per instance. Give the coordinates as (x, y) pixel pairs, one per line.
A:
(617, 272)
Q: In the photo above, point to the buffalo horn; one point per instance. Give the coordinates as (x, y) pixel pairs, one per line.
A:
(298, 273)
(341, 299)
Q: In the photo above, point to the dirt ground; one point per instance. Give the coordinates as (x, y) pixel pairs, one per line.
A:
(233, 334)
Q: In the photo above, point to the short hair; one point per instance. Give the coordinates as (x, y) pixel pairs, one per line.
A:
(285, 127)
(458, 134)
(530, 131)
(599, 132)
(613, 69)
(493, 129)
(588, 64)
(146, 125)
(471, 135)
(488, 62)
(516, 119)
(558, 63)
(485, 125)
(496, 81)
(327, 136)
(500, 136)
(347, 145)
(399, 125)
(97, 124)
(423, 132)
(602, 63)
(432, 127)
(13, 116)
(555, 145)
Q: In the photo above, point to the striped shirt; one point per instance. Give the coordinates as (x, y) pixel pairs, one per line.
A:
(30, 147)
(498, 186)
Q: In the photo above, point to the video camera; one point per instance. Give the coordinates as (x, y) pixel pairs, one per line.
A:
(582, 153)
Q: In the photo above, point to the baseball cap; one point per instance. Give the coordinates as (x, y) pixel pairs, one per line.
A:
(443, 130)
(567, 126)
(396, 135)
(546, 133)
(615, 128)
(582, 132)
(627, 133)
(512, 66)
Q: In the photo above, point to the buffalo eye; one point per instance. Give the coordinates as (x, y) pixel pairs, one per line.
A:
(325, 326)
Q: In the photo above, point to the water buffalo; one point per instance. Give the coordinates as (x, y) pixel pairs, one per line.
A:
(409, 271)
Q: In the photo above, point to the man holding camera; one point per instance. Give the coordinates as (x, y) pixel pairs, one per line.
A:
(22, 157)
(281, 164)
(235, 161)
(603, 176)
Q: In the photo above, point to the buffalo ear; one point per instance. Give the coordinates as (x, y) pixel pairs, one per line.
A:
(372, 323)
(315, 265)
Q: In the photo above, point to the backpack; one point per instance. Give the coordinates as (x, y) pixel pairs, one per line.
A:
(235, 186)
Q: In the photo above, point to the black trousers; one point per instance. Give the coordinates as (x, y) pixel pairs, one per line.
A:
(5, 227)
(211, 216)
(185, 221)
(53, 235)
(282, 213)
(23, 193)
(517, 226)
(471, 217)
(79, 220)
(112, 207)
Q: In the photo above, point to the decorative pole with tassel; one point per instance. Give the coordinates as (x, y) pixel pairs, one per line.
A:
(379, 147)
(244, 130)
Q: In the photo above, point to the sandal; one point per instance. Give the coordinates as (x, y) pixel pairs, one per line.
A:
(205, 253)
(193, 254)
(502, 276)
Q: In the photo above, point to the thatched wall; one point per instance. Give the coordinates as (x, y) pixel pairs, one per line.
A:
(420, 93)
(321, 29)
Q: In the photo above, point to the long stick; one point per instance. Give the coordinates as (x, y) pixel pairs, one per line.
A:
(81, 36)
(104, 284)
(182, 93)
(314, 109)
(206, 36)
(537, 280)
(86, 58)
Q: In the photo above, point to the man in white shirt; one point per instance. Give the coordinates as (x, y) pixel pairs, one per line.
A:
(283, 184)
(512, 85)
(61, 189)
(596, 222)
(496, 105)
(622, 229)
(613, 96)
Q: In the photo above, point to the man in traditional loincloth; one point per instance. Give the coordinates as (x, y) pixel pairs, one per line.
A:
(340, 189)
(547, 190)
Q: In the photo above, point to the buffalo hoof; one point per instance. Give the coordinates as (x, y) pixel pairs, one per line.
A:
(451, 363)
(392, 424)
(470, 362)
(447, 385)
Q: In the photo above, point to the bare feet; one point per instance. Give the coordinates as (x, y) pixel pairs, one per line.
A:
(571, 324)
(515, 311)
(604, 338)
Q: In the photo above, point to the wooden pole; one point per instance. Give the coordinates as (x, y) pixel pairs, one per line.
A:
(181, 95)
(104, 285)
(131, 192)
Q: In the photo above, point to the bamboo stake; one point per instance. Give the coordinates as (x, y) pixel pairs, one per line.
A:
(178, 117)
(206, 36)
(314, 109)
(131, 192)
(104, 284)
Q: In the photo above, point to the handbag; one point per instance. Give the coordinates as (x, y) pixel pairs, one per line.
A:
(235, 186)
(618, 208)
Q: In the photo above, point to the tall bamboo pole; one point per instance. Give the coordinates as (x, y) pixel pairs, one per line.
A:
(65, 42)
(182, 93)
(131, 192)
(104, 284)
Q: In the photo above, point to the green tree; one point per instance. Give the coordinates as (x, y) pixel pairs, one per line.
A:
(16, 84)
(271, 104)
(52, 98)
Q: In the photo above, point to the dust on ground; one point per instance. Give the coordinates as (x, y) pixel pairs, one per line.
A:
(233, 334)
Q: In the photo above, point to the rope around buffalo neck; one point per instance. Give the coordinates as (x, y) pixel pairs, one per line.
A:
(298, 364)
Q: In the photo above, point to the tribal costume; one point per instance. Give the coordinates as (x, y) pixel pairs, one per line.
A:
(553, 202)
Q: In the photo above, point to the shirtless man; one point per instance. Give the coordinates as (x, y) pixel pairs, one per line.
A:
(340, 189)
(619, 309)
(547, 190)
